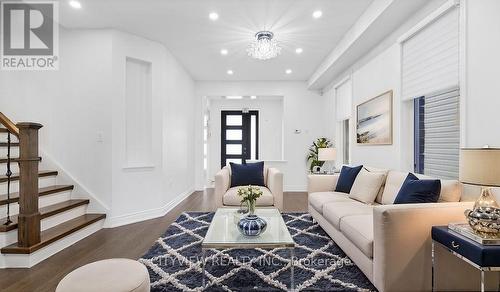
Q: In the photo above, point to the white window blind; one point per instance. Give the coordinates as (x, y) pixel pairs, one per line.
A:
(430, 57)
(441, 122)
(343, 100)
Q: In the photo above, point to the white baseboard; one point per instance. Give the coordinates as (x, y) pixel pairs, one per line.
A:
(147, 214)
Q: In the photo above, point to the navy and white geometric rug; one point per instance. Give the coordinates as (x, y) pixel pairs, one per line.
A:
(174, 261)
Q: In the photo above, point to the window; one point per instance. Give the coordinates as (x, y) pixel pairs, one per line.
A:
(345, 142)
(343, 111)
(430, 70)
(437, 134)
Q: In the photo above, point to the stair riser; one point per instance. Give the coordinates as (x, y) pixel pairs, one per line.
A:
(14, 185)
(14, 152)
(14, 167)
(3, 137)
(29, 260)
(7, 238)
(43, 201)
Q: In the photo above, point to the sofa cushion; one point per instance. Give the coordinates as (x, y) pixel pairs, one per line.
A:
(415, 191)
(359, 230)
(393, 184)
(231, 197)
(346, 178)
(317, 200)
(335, 211)
(247, 174)
(366, 186)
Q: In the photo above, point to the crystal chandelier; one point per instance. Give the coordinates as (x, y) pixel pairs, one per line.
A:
(264, 47)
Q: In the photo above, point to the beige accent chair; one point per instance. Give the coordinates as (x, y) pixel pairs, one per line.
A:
(391, 243)
(272, 192)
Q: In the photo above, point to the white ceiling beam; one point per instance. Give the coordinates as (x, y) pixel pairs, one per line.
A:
(380, 19)
(354, 33)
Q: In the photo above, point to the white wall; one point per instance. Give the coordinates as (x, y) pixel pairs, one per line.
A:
(378, 71)
(303, 110)
(375, 73)
(73, 104)
(149, 190)
(270, 128)
(82, 108)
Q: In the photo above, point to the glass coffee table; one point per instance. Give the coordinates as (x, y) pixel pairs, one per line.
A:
(223, 233)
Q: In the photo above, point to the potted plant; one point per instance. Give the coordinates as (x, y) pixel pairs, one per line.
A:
(312, 156)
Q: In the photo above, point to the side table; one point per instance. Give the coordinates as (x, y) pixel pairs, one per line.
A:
(485, 258)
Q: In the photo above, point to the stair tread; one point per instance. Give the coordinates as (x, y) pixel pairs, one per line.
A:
(13, 159)
(41, 173)
(53, 234)
(3, 130)
(12, 144)
(14, 197)
(45, 212)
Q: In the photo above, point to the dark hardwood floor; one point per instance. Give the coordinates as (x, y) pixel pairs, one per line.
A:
(129, 241)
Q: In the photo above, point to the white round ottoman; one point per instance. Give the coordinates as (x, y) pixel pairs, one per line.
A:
(113, 275)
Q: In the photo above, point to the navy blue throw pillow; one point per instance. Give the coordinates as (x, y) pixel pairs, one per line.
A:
(247, 174)
(346, 178)
(416, 190)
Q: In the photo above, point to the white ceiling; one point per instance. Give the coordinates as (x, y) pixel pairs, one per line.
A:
(184, 28)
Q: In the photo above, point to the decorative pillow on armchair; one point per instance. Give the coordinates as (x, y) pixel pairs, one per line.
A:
(247, 174)
(416, 190)
(346, 178)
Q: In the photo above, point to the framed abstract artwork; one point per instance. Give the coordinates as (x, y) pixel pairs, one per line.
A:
(374, 120)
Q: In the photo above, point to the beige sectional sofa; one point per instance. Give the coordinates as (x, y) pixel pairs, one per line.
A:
(389, 243)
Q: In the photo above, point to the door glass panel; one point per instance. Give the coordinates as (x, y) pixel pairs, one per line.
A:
(234, 120)
(234, 135)
(237, 161)
(253, 137)
(233, 149)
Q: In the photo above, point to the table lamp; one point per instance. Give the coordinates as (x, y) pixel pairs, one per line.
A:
(327, 154)
(481, 167)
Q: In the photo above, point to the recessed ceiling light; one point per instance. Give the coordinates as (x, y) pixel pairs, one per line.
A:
(230, 72)
(75, 4)
(298, 50)
(234, 97)
(317, 14)
(223, 52)
(253, 97)
(213, 16)
(288, 71)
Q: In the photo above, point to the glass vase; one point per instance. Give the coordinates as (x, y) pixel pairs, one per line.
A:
(251, 207)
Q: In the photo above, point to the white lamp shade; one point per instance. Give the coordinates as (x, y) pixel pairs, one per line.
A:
(326, 154)
(480, 166)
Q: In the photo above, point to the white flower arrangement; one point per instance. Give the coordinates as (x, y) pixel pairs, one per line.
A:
(249, 195)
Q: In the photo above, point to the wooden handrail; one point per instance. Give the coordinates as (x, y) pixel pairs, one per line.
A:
(9, 125)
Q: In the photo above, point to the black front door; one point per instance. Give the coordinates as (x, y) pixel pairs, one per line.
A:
(239, 136)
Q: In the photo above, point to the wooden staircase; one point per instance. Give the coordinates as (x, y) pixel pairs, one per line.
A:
(41, 212)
